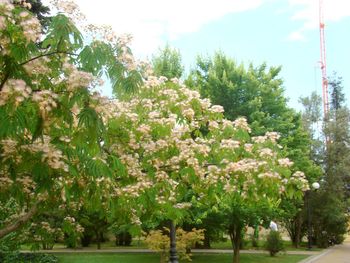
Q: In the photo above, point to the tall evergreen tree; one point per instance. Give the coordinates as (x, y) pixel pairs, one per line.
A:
(167, 62)
(40, 10)
(329, 205)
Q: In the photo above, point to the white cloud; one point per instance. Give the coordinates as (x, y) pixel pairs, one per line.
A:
(153, 21)
(296, 36)
(308, 13)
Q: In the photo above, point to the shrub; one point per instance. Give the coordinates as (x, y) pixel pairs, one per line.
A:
(274, 243)
(158, 241)
(27, 258)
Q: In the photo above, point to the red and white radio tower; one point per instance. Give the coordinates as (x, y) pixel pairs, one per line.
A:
(323, 62)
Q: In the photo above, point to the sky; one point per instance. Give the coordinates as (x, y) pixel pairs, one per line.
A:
(279, 32)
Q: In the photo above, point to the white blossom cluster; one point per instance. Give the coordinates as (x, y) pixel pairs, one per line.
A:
(269, 175)
(70, 8)
(182, 205)
(217, 109)
(300, 180)
(31, 27)
(152, 81)
(6, 9)
(14, 89)
(50, 154)
(7, 18)
(273, 136)
(124, 55)
(46, 226)
(172, 109)
(241, 123)
(77, 79)
(77, 227)
(285, 162)
(134, 218)
(46, 100)
(28, 185)
(266, 153)
(9, 150)
(133, 190)
(5, 180)
(37, 66)
(229, 144)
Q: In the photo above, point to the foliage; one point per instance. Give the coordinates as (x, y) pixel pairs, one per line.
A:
(274, 243)
(158, 241)
(51, 124)
(45, 233)
(257, 93)
(167, 63)
(336, 91)
(329, 218)
(329, 204)
(95, 224)
(311, 118)
(36, 7)
(144, 157)
(28, 258)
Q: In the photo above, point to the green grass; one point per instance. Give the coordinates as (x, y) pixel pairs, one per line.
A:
(247, 245)
(153, 258)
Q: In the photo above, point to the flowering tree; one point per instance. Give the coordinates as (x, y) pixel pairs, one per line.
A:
(52, 129)
(180, 152)
(157, 152)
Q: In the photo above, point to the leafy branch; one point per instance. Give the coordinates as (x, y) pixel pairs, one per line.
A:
(48, 54)
(7, 74)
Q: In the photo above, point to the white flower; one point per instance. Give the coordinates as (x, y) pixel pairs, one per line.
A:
(217, 108)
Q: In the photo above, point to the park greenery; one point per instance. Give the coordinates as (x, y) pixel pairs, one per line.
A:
(215, 153)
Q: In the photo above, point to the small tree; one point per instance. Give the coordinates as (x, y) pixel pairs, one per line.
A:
(274, 243)
(158, 241)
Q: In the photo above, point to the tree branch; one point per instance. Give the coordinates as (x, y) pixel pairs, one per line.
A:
(19, 222)
(48, 54)
(7, 75)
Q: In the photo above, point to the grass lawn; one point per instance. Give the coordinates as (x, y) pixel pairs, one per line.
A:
(152, 258)
(247, 245)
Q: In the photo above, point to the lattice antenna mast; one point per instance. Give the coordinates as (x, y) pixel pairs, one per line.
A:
(323, 61)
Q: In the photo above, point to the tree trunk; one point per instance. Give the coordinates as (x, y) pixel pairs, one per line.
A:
(296, 243)
(235, 233)
(98, 239)
(294, 228)
(173, 253)
(206, 242)
(22, 220)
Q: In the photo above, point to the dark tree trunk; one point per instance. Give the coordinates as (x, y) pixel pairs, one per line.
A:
(98, 239)
(173, 253)
(235, 233)
(206, 241)
(294, 228)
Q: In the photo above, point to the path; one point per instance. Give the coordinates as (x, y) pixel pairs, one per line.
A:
(138, 250)
(336, 254)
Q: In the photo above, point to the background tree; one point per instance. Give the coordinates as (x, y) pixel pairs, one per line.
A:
(257, 94)
(329, 204)
(167, 62)
(37, 8)
(312, 122)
